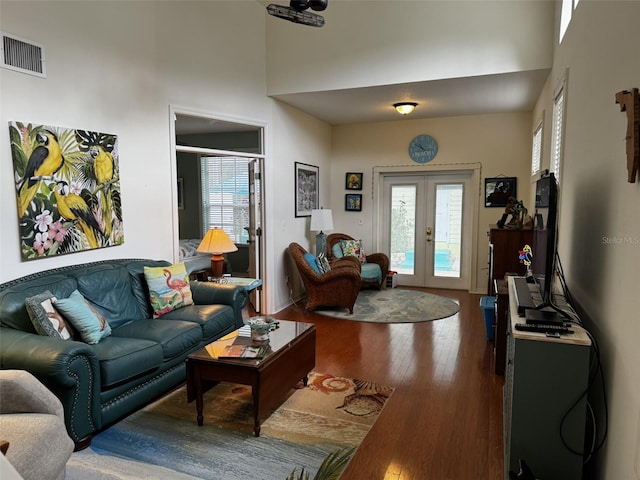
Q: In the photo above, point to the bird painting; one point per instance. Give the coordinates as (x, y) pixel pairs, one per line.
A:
(103, 170)
(73, 207)
(67, 189)
(45, 160)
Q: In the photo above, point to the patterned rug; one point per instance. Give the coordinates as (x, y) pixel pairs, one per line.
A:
(164, 441)
(396, 305)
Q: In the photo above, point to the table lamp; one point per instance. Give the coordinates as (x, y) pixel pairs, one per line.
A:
(216, 242)
(321, 219)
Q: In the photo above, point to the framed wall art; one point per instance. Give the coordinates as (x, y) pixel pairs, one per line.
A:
(67, 184)
(497, 191)
(306, 189)
(353, 202)
(353, 181)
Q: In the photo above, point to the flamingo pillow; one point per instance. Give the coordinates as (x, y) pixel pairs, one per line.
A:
(168, 288)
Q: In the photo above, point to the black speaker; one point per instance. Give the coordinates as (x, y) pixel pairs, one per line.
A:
(299, 5)
(318, 5)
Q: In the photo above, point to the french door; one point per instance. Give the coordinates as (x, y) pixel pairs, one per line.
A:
(426, 225)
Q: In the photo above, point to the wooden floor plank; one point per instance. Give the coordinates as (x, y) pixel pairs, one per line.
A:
(444, 420)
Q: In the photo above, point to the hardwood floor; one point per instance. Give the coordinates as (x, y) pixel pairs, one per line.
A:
(444, 419)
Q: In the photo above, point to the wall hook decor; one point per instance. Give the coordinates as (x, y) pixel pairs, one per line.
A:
(629, 101)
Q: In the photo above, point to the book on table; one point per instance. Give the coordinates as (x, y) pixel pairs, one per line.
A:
(244, 351)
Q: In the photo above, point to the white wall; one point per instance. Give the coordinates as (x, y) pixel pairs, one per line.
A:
(297, 137)
(116, 67)
(499, 142)
(365, 43)
(599, 208)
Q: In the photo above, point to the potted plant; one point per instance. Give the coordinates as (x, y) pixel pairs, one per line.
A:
(331, 468)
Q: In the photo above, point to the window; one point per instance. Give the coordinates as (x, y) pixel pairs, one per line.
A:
(568, 6)
(225, 195)
(558, 130)
(536, 151)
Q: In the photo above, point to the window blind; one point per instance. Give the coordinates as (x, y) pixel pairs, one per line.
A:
(536, 151)
(557, 136)
(225, 195)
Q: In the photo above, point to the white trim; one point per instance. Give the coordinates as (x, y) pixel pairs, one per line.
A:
(175, 110)
(214, 152)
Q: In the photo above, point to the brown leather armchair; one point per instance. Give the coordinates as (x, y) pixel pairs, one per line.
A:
(338, 287)
(370, 277)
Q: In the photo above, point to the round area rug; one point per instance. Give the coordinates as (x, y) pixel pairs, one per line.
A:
(394, 305)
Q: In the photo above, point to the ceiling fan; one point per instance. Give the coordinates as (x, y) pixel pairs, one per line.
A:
(296, 11)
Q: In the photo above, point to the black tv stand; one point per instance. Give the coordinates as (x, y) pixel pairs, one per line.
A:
(544, 404)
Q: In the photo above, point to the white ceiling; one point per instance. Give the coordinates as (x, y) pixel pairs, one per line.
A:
(510, 92)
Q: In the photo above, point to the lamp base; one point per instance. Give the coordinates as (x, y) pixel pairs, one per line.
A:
(217, 265)
(321, 243)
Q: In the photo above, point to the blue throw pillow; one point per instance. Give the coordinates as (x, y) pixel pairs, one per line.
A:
(311, 260)
(87, 321)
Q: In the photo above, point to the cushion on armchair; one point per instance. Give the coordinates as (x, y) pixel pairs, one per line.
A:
(311, 260)
(323, 263)
(355, 248)
(371, 272)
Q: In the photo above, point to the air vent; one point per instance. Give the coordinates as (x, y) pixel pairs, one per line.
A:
(22, 55)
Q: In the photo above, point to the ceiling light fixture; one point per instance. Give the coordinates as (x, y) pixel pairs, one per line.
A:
(405, 108)
(296, 13)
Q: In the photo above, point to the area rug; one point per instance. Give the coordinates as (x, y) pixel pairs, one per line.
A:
(329, 414)
(396, 305)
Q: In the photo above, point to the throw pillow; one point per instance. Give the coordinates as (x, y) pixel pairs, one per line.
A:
(91, 326)
(168, 288)
(323, 263)
(354, 247)
(45, 318)
(311, 260)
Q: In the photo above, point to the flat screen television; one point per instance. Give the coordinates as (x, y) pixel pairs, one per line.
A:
(545, 234)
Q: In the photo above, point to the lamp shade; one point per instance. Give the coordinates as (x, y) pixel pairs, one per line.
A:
(321, 219)
(216, 241)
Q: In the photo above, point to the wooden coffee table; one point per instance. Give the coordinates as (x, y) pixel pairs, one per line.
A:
(292, 357)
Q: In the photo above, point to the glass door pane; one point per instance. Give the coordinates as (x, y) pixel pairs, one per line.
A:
(448, 230)
(403, 228)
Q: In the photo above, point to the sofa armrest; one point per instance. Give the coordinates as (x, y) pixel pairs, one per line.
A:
(21, 392)
(68, 368)
(210, 293)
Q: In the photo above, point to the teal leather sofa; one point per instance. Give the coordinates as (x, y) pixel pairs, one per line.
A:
(143, 357)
